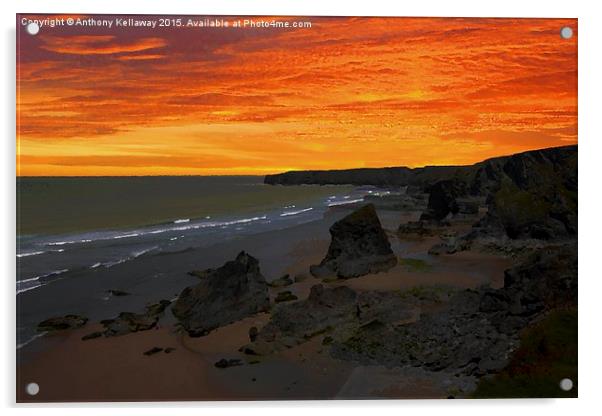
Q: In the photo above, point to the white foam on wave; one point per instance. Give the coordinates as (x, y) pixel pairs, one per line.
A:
(184, 224)
(289, 213)
(141, 252)
(30, 340)
(134, 255)
(31, 253)
(126, 236)
(62, 243)
(34, 282)
(349, 201)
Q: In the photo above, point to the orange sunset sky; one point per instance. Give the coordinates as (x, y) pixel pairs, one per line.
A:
(347, 92)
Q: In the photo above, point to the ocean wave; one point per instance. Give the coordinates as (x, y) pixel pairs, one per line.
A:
(132, 256)
(346, 202)
(178, 225)
(126, 236)
(36, 282)
(31, 253)
(182, 221)
(62, 243)
(289, 213)
(30, 340)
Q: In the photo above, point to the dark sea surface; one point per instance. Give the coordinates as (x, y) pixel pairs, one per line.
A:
(66, 225)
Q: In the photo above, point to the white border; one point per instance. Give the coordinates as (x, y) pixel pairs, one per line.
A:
(590, 35)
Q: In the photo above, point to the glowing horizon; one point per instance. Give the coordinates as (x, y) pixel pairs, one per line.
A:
(345, 93)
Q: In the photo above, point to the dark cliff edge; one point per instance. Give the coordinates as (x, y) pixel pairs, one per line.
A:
(474, 175)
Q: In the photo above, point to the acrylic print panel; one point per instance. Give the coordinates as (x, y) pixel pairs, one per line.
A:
(258, 208)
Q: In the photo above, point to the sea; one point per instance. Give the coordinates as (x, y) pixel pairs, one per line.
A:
(70, 224)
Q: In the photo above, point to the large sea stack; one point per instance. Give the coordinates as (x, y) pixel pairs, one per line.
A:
(359, 246)
(225, 295)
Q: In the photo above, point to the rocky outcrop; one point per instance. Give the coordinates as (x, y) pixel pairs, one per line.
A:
(281, 281)
(478, 329)
(326, 310)
(535, 197)
(60, 323)
(381, 177)
(225, 295)
(128, 322)
(359, 246)
(530, 195)
(285, 296)
(225, 363)
(442, 200)
(479, 178)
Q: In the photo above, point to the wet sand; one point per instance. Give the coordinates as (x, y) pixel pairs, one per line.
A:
(115, 369)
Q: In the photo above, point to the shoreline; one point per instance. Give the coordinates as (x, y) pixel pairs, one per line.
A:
(120, 371)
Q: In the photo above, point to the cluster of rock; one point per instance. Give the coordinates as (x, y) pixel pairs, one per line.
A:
(224, 295)
(337, 310)
(358, 246)
(60, 323)
(478, 329)
(128, 322)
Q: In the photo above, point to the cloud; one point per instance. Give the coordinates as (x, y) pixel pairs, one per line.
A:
(345, 92)
(99, 44)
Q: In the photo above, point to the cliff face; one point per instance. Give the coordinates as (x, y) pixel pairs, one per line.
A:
(385, 177)
(478, 178)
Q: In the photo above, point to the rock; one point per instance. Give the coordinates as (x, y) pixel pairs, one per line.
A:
(326, 310)
(442, 200)
(285, 296)
(169, 350)
(115, 292)
(532, 195)
(253, 333)
(157, 308)
(282, 281)
(60, 323)
(128, 322)
(300, 277)
(359, 246)
(224, 363)
(476, 332)
(547, 279)
(230, 293)
(153, 351)
(92, 335)
(201, 274)
(419, 228)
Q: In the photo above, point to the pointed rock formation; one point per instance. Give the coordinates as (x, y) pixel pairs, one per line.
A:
(227, 294)
(359, 246)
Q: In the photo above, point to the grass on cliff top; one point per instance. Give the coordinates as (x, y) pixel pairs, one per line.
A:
(547, 354)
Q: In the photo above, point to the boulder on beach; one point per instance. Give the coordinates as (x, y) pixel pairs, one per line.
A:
(128, 322)
(281, 281)
(60, 323)
(285, 296)
(359, 246)
(227, 294)
(443, 200)
(225, 363)
(117, 292)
